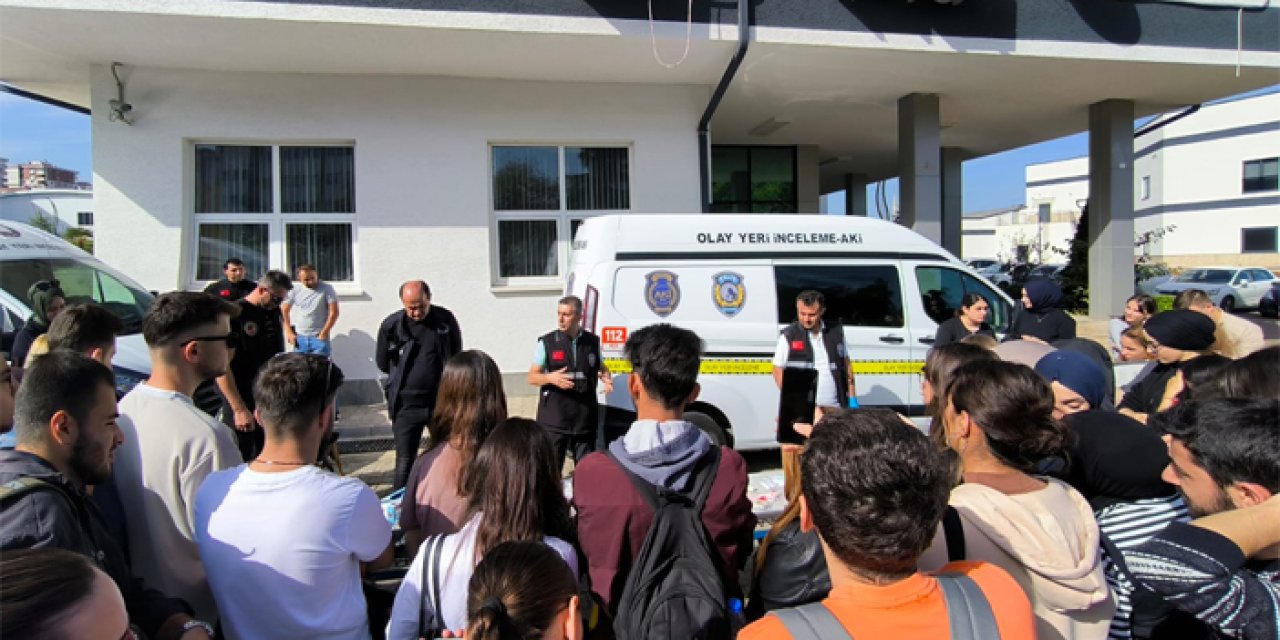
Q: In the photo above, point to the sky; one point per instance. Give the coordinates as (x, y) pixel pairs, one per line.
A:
(31, 130)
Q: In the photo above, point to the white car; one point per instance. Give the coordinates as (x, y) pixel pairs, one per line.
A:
(1230, 288)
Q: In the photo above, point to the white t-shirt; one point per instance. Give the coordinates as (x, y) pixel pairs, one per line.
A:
(283, 551)
(309, 308)
(827, 396)
(169, 448)
(458, 561)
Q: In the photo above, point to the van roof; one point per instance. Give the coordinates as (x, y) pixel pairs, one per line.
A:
(20, 241)
(657, 236)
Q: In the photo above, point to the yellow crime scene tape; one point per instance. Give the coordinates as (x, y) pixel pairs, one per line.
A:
(764, 366)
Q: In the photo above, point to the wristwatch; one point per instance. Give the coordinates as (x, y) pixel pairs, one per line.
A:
(193, 623)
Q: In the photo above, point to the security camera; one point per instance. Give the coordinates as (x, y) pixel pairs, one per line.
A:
(122, 107)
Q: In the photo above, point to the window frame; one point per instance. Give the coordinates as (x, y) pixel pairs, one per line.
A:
(277, 220)
(1275, 239)
(751, 202)
(1261, 163)
(563, 216)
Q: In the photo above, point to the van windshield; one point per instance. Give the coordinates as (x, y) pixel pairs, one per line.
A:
(82, 281)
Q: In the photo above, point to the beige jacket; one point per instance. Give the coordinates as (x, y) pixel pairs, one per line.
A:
(1236, 337)
(1048, 541)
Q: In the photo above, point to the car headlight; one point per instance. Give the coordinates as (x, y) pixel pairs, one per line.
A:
(127, 379)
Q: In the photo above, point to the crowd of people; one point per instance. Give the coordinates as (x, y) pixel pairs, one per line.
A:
(1040, 502)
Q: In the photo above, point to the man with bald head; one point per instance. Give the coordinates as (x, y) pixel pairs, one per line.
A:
(413, 345)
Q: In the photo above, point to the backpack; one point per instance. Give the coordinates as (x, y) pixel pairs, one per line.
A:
(675, 588)
(969, 614)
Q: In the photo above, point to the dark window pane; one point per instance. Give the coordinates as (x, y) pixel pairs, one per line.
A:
(773, 175)
(1258, 240)
(233, 179)
(221, 241)
(731, 174)
(527, 248)
(596, 178)
(317, 180)
(526, 178)
(1261, 175)
(857, 295)
(941, 290)
(325, 246)
(773, 207)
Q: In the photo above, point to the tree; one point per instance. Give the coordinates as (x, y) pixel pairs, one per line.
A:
(1074, 278)
(80, 237)
(44, 222)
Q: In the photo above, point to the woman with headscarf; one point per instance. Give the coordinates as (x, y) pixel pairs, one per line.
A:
(1175, 337)
(1115, 463)
(1078, 384)
(47, 301)
(1041, 319)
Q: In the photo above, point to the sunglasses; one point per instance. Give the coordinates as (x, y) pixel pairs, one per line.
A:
(232, 339)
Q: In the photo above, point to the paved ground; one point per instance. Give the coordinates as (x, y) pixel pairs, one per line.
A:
(366, 430)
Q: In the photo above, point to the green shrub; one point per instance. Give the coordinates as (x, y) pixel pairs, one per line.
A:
(1163, 302)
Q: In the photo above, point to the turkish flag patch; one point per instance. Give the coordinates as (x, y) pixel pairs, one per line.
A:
(797, 345)
(226, 293)
(557, 355)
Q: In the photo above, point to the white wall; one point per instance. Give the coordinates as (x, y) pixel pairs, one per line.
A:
(61, 204)
(422, 178)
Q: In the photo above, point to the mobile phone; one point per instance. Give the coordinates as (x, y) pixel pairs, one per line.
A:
(797, 403)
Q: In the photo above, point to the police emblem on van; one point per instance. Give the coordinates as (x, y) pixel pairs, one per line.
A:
(729, 291)
(662, 292)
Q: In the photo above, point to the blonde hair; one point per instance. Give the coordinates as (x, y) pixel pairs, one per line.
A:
(39, 347)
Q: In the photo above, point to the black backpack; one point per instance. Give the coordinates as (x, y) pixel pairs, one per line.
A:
(675, 588)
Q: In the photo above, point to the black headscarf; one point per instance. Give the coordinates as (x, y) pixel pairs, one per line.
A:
(1181, 329)
(1043, 293)
(41, 294)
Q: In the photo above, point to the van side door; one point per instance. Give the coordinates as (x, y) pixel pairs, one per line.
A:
(865, 297)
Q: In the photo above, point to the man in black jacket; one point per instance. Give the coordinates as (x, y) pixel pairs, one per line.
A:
(65, 419)
(811, 343)
(413, 346)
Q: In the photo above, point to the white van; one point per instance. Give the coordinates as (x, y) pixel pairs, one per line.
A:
(29, 255)
(733, 279)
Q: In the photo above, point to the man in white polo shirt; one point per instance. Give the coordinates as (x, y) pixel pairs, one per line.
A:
(170, 446)
(309, 313)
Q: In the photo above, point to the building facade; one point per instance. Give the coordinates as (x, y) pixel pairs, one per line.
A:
(1206, 192)
(60, 209)
(462, 142)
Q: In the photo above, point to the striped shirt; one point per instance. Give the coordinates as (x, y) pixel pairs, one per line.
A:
(1127, 525)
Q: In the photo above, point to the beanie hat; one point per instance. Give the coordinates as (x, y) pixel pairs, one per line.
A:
(1076, 372)
(1181, 329)
(41, 294)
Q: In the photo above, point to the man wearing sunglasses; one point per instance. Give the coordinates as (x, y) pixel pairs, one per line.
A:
(171, 446)
(261, 337)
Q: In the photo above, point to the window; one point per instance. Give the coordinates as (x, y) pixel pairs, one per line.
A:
(1146, 187)
(1261, 175)
(1258, 240)
(857, 295)
(1044, 213)
(942, 289)
(753, 179)
(275, 206)
(540, 196)
(84, 218)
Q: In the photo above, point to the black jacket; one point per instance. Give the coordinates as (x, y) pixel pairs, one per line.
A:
(794, 572)
(397, 350)
(63, 518)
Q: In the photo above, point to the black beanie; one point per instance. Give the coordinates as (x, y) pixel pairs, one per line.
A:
(1181, 329)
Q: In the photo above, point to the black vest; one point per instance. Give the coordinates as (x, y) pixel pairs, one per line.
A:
(800, 351)
(574, 410)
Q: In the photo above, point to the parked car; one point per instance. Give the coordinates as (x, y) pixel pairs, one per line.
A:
(982, 263)
(1013, 277)
(1269, 304)
(1050, 271)
(1230, 288)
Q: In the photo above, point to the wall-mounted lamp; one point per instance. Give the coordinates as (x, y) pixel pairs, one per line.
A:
(119, 108)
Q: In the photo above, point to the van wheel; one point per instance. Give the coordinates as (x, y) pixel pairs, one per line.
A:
(1228, 304)
(709, 426)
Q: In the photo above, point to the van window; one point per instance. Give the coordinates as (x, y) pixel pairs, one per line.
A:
(81, 281)
(941, 289)
(857, 295)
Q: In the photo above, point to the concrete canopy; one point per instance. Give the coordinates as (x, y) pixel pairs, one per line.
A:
(837, 90)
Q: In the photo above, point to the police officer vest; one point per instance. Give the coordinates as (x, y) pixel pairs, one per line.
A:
(800, 353)
(571, 410)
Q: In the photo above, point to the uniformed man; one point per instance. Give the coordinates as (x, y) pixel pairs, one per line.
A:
(567, 367)
(811, 343)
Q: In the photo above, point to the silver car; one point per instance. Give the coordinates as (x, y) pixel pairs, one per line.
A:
(1230, 288)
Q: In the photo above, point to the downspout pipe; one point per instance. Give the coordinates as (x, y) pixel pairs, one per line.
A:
(704, 125)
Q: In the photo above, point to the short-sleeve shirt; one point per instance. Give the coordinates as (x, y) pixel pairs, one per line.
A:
(827, 396)
(431, 502)
(309, 308)
(283, 551)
